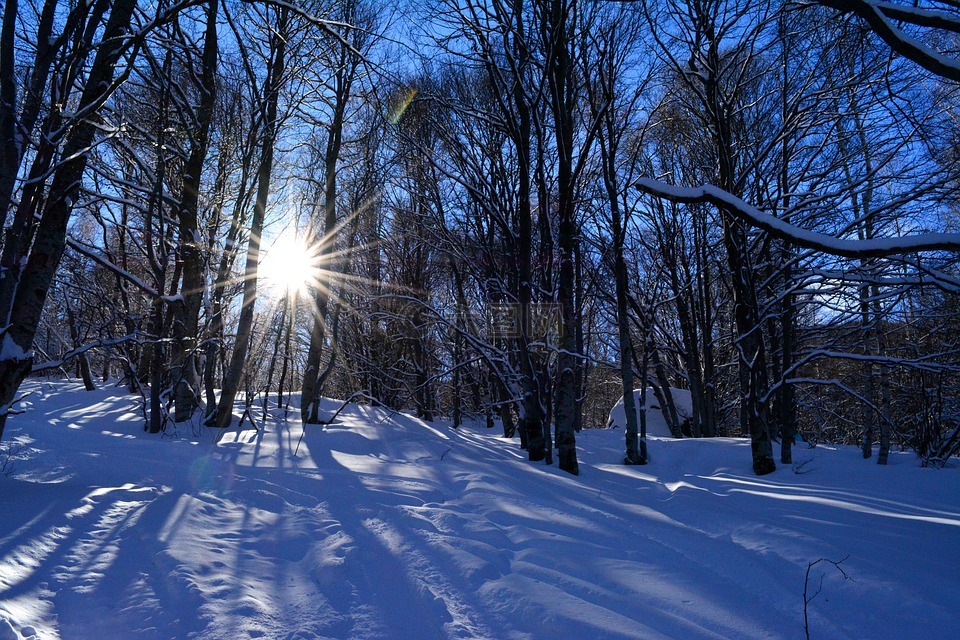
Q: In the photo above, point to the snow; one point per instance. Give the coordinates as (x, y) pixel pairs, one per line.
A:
(879, 15)
(656, 423)
(384, 526)
(874, 247)
(10, 350)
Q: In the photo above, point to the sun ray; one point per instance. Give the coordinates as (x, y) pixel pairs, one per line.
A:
(302, 268)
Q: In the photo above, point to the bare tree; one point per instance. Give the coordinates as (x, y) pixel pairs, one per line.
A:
(280, 30)
(346, 59)
(614, 105)
(186, 323)
(32, 252)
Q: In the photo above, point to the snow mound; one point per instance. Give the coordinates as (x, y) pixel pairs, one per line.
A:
(656, 423)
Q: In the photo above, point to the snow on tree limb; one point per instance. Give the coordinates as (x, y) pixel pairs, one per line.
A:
(56, 364)
(126, 275)
(878, 16)
(912, 14)
(873, 248)
(329, 27)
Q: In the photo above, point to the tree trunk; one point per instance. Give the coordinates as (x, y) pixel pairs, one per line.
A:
(156, 368)
(83, 364)
(749, 342)
(506, 416)
(559, 79)
(271, 369)
(632, 455)
(12, 146)
(786, 398)
(9, 156)
(886, 420)
(291, 320)
(26, 306)
(622, 287)
(231, 380)
(343, 85)
(751, 354)
(187, 321)
(665, 397)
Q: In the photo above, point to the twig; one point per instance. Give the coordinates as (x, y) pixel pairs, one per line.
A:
(800, 467)
(806, 584)
(8, 457)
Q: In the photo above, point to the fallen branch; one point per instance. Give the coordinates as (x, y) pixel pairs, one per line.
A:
(806, 585)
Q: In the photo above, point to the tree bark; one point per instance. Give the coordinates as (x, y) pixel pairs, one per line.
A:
(343, 81)
(568, 360)
(187, 321)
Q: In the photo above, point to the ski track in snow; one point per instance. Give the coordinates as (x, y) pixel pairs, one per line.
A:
(387, 527)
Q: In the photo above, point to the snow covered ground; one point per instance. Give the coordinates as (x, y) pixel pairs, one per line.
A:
(383, 526)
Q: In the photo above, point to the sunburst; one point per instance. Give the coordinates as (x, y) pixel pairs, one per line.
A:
(289, 266)
(301, 269)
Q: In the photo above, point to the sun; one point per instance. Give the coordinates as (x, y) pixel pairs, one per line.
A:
(288, 265)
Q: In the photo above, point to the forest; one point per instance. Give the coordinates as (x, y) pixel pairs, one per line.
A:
(512, 210)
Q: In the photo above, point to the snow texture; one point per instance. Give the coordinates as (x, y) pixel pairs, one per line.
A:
(384, 526)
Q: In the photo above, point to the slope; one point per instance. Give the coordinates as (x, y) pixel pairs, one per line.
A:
(383, 526)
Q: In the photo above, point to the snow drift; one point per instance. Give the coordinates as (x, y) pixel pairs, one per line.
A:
(656, 423)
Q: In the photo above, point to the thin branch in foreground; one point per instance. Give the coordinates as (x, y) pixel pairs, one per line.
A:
(806, 585)
(56, 364)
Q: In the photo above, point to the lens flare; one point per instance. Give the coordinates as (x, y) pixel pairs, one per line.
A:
(402, 105)
(212, 474)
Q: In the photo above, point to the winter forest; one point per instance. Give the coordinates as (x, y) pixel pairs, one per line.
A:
(518, 210)
(314, 313)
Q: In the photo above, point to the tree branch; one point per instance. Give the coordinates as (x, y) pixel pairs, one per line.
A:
(878, 15)
(873, 248)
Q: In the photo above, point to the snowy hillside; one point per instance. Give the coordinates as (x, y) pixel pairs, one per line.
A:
(385, 527)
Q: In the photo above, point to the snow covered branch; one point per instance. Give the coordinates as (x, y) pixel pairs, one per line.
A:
(56, 364)
(331, 28)
(126, 275)
(873, 248)
(878, 16)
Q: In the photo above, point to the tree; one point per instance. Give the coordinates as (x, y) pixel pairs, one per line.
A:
(614, 106)
(346, 58)
(32, 252)
(186, 323)
(559, 21)
(280, 32)
(719, 68)
(881, 140)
